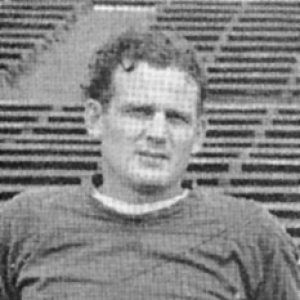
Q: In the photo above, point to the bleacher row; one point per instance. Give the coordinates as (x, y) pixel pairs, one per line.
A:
(29, 27)
(134, 3)
(251, 48)
(248, 152)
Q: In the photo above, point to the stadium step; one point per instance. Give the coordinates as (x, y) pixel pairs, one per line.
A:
(272, 10)
(202, 37)
(58, 139)
(33, 14)
(196, 9)
(193, 19)
(32, 155)
(247, 121)
(143, 3)
(27, 24)
(276, 3)
(253, 79)
(263, 28)
(239, 90)
(241, 68)
(195, 14)
(40, 5)
(263, 39)
(248, 18)
(27, 180)
(237, 48)
(271, 153)
(24, 34)
(54, 168)
(257, 58)
(21, 54)
(38, 149)
(50, 23)
(22, 42)
(189, 27)
(27, 43)
(215, 3)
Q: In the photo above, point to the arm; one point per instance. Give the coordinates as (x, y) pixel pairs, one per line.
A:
(14, 230)
(281, 279)
(4, 242)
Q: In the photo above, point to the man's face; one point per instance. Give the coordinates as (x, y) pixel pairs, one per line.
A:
(150, 127)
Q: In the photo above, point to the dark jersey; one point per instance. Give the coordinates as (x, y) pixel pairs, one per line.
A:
(63, 244)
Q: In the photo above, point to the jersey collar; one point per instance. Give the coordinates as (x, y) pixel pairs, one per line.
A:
(121, 207)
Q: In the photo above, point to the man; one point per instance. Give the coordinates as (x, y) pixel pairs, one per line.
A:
(140, 235)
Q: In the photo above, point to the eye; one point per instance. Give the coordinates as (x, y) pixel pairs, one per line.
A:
(139, 112)
(177, 118)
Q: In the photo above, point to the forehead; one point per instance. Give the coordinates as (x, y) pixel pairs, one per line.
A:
(151, 85)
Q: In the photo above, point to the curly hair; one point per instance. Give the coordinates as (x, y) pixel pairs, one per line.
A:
(160, 49)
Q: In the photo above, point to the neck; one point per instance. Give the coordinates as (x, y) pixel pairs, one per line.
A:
(119, 189)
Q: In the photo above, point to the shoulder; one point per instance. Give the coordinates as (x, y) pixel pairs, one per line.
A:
(253, 237)
(44, 197)
(36, 206)
(246, 221)
(227, 208)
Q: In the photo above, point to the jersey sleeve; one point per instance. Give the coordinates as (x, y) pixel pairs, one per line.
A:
(15, 217)
(4, 252)
(280, 257)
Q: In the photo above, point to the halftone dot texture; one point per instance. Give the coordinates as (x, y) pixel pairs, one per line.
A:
(75, 248)
(153, 119)
(64, 244)
(158, 48)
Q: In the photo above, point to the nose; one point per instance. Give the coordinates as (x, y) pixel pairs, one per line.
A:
(157, 129)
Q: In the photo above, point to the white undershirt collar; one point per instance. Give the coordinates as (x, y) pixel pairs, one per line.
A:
(136, 209)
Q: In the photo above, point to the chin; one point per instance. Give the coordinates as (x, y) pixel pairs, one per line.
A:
(152, 182)
(150, 188)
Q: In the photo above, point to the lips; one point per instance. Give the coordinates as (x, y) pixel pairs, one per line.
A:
(150, 154)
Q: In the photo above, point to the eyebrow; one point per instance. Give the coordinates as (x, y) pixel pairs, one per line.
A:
(151, 108)
(131, 106)
(184, 115)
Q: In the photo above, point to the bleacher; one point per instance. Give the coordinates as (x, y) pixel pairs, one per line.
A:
(29, 27)
(252, 144)
(134, 3)
(251, 48)
(248, 152)
(251, 53)
(43, 145)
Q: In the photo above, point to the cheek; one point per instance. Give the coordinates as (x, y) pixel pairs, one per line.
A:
(127, 129)
(184, 148)
(184, 141)
(121, 137)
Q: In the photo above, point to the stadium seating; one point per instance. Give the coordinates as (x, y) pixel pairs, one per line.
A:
(248, 152)
(136, 3)
(27, 28)
(252, 143)
(41, 145)
(251, 53)
(251, 48)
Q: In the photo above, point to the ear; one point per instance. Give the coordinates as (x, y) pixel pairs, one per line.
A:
(93, 116)
(200, 135)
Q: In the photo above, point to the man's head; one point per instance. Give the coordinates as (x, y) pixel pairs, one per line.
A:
(159, 49)
(146, 92)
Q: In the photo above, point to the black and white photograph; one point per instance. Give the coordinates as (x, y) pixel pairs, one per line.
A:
(149, 150)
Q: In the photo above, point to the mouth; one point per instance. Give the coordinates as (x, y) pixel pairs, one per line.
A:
(153, 155)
